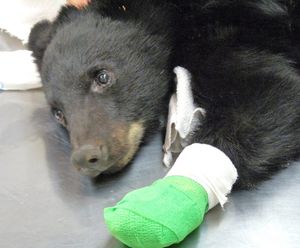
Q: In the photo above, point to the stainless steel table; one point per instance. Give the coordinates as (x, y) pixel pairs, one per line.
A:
(45, 203)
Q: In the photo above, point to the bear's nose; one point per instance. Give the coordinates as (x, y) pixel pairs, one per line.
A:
(89, 156)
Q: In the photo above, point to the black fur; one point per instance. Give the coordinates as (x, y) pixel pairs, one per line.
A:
(245, 65)
(39, 40)
(243, 56)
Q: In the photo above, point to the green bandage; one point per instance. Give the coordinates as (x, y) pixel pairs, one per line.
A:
(159, 215)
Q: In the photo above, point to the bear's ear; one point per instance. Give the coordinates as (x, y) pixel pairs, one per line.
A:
(39, 39)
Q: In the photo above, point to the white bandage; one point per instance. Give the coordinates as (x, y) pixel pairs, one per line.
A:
(184, 117)
(205, 164)
(209, 167)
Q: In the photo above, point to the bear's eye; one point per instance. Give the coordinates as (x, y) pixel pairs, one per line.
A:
(103, 77)
(59, 116)
(102, 80)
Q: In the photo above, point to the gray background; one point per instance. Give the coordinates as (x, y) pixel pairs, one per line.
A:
(45, 203)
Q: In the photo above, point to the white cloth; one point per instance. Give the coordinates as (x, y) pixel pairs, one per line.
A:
(18, 71)
(18, 16)
(209, 167)
(183, 117)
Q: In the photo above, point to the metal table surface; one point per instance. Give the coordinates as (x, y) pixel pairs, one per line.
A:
(45, 203)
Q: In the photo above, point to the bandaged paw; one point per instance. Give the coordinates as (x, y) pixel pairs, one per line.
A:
(159, 215)
(171, 208)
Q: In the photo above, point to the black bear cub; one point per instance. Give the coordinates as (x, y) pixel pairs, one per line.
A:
(107, 75)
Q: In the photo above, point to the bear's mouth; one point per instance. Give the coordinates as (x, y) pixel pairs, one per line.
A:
(89, 172)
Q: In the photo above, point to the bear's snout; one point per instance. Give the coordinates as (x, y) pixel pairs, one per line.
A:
(98, 151)
(91, 160)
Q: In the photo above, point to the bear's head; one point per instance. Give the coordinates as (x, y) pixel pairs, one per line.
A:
(106, 81)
